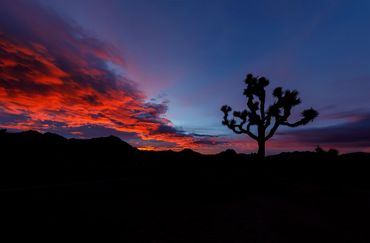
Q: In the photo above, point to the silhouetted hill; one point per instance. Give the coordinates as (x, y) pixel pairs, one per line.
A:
(104, 189)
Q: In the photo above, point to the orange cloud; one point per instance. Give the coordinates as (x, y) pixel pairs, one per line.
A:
(61, 81)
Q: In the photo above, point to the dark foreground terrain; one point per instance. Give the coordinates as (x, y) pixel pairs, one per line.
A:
(103, 189)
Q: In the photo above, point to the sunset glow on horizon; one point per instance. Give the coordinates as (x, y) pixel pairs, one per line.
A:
(58, 75)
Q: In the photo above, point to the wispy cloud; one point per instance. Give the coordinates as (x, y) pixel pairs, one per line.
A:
(56, 77)
(354, 134)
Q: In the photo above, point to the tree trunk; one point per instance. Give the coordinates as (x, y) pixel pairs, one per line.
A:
(261, 141)
(261, 148)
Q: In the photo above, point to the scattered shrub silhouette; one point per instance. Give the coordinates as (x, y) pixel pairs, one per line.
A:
(255, 115)
(48, 182)
(331, 152)
(319, 150)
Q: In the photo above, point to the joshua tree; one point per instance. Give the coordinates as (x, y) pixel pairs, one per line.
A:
(266, 121)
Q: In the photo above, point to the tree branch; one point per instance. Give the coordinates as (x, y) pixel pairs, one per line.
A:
(273, 130)
(237, 128)
(296, 124)
(250, 134)
(262, 106)
(308, 115)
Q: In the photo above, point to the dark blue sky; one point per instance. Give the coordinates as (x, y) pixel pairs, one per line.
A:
(203, 49)
(194, 54)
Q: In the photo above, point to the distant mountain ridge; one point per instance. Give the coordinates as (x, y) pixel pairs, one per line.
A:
(52, 138)
(49, 139)
(55, 182)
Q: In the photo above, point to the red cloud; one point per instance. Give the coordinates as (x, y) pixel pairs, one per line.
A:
(54, 76)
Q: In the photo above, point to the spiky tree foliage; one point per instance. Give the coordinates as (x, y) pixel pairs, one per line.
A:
(266, 121)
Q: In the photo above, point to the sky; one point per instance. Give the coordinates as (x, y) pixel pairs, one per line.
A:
(155, 73)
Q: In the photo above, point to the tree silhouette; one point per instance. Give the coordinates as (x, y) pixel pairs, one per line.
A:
(266, 121)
